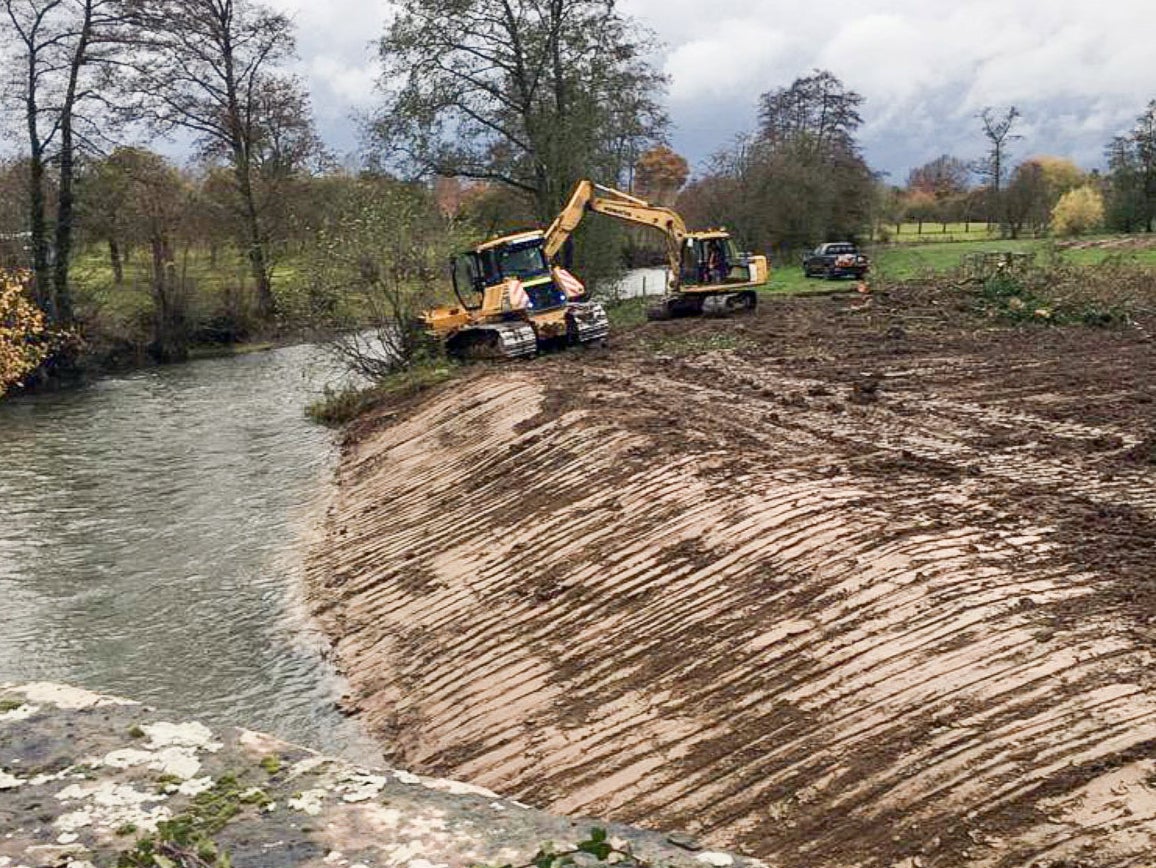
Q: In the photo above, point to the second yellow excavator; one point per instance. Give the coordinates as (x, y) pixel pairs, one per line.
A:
(706, 273)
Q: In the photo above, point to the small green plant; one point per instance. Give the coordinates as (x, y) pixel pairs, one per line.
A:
(597, 845)
(271, 764)
(136, 732)
(7, 705)
(186, 841)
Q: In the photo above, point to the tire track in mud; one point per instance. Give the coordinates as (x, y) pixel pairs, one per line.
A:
(822, 632)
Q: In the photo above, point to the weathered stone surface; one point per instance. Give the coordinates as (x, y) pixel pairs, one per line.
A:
(85, 778)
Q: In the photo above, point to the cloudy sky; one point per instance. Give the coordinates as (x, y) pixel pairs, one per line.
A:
(1078, 71)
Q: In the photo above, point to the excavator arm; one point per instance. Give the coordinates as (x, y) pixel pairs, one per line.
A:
(588, 196)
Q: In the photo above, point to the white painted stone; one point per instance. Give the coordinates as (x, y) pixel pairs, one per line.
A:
(109, 806)
(717, 860)
(190, 734)
(308, 802)
(68, 698)
(127, 758)
(457, 788)
(195, 786)
(406, 777)
(10, 782)
(21, 712)
(67, 838)
(362, 787)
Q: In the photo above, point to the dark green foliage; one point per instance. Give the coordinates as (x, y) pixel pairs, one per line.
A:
(799, 181)
(598, 845)
(1130, 203)
(530, 96)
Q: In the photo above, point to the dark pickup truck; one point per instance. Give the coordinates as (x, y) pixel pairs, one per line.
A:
(836, 260)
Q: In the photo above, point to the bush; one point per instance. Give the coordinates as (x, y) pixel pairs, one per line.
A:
(1078, 212)
(23, 344)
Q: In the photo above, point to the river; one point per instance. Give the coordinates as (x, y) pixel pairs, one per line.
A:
(152, 537)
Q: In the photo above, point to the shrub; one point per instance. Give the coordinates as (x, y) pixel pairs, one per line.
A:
(23, 342)
(1078, 212)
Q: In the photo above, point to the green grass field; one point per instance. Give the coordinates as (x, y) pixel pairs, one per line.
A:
(906, 261)
(937, 233)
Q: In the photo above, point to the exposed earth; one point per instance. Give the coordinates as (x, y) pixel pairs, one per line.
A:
(857, 580)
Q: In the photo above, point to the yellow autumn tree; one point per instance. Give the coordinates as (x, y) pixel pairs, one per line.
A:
(22, 333)
(1079, 211)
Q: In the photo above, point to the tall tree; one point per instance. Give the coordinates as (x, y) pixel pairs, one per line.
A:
(817, 109)
(802, 178)
(57, 49)
(1132, 175)
(532, 95)
(210, 67)
(997, 129)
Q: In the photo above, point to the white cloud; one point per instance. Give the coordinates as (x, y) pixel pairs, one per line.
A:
(1079, 71)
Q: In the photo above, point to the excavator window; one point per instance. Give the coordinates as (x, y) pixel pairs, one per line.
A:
(466, 275)
(514, 260)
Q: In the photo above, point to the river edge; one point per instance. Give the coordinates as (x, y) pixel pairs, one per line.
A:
(469, 550)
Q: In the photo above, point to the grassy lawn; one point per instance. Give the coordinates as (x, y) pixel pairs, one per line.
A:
(909, 233)
(905, 261)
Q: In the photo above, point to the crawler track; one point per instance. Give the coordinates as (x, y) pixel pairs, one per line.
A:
(876, 584)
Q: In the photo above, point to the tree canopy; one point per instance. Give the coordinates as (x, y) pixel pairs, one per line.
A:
(532, 95)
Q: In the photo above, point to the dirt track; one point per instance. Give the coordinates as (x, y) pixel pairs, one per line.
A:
(876, 583)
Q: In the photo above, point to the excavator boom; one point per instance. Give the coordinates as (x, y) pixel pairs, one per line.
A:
(715, 290)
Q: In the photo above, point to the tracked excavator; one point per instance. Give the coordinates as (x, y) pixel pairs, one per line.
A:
(706, 273)
(512, 301)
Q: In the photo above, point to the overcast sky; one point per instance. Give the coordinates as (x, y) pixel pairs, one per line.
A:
(1079, 72)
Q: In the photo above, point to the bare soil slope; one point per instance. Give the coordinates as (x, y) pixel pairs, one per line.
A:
(844, 583)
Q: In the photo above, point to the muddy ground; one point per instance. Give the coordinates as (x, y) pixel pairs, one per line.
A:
(853, 581)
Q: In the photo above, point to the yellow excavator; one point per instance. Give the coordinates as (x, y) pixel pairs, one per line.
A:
(706, 273)
(512, 301)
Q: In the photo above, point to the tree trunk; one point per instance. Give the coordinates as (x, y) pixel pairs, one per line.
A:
(37, 206)
(38, 226)
(116, 262)
(64, 206)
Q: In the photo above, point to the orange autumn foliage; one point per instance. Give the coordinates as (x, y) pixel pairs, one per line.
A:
(22, 331)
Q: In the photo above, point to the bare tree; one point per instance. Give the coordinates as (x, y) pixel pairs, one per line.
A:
(997, 129)
(58, 50)
(210, 66)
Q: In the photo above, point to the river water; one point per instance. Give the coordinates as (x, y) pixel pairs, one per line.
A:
(152, 537)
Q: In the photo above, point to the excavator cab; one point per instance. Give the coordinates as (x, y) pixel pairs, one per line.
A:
(713, 258)
(519, 258)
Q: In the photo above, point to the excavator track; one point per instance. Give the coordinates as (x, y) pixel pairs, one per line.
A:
(507, 340)
(725, 304)
(703, 304)
(587, 322)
